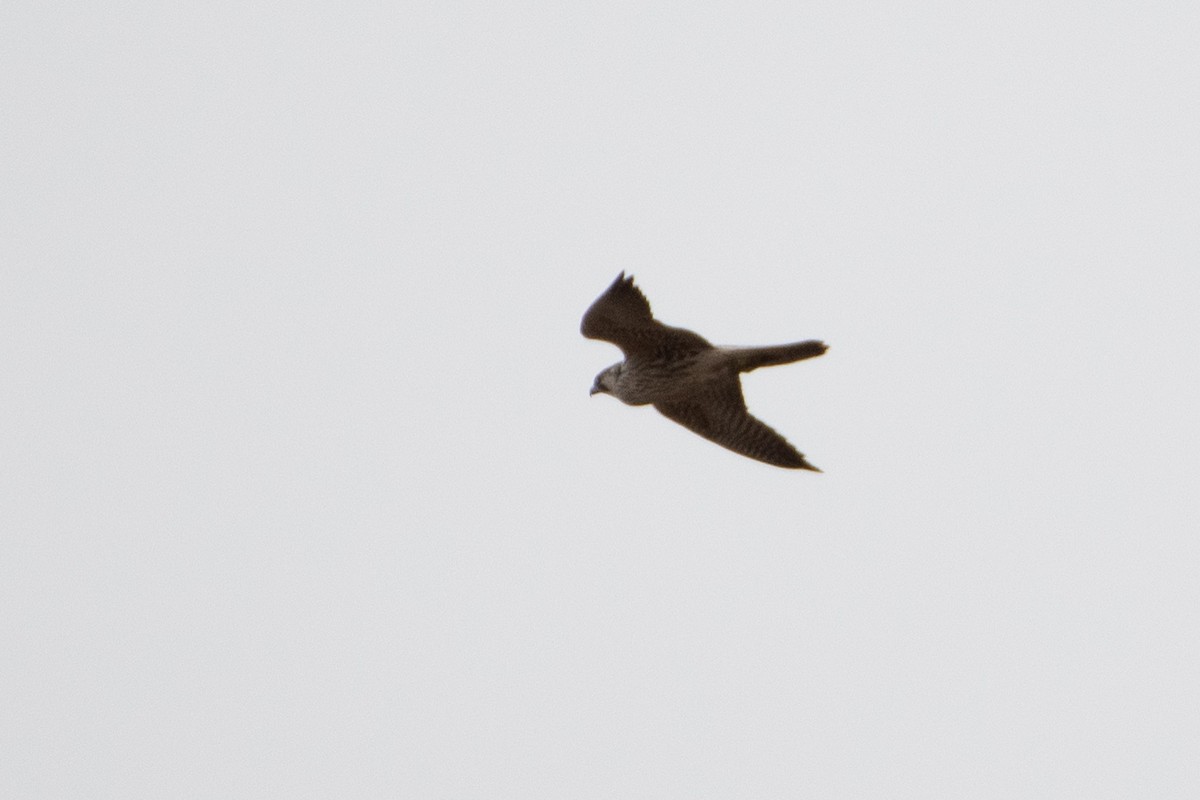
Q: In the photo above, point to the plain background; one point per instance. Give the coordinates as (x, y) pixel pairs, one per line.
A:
(303, 494)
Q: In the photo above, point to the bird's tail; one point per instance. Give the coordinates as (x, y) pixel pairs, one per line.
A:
(751, 358)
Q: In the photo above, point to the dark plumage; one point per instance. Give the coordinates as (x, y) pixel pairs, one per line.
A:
(685, 377)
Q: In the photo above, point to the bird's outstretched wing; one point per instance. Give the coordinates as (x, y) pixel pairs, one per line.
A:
(622, 316)
(719, 414)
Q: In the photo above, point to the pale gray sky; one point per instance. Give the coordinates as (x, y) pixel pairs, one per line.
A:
(302, 493)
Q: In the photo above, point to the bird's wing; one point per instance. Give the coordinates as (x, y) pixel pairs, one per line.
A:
(622, 316)
(719, 414)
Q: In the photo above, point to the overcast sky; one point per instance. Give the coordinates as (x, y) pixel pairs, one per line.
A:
(302, 493)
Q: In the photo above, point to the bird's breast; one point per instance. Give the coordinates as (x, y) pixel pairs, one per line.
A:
(657, 380)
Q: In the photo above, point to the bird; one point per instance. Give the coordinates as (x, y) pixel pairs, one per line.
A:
(687, 379)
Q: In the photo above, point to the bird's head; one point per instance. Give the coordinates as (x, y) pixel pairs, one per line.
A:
(606, 380)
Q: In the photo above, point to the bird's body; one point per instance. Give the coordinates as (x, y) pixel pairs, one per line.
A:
(686, 378)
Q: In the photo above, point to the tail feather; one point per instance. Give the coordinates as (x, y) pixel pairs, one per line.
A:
(751, 358)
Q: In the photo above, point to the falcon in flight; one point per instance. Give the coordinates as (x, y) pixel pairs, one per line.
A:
(687, 379)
